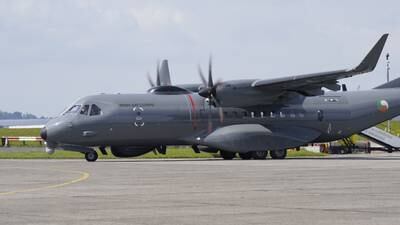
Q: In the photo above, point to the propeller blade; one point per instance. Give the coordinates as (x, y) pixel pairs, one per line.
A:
(203, 79)
(210, 80)
(221, 115)
(151, 82)
(210, 125)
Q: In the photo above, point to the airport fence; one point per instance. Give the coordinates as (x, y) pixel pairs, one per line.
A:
(6, 140)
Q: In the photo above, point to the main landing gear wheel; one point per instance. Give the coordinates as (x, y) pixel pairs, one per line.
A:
(227, 155)
(259, 154)
(246, 156)
(278, 154)
(91, 156)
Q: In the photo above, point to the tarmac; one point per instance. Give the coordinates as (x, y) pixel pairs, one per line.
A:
(351, 189)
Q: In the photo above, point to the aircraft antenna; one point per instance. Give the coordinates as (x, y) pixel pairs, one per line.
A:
(388, 79)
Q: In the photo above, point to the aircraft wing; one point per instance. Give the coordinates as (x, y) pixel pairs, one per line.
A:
(255, 137)
(314, 82)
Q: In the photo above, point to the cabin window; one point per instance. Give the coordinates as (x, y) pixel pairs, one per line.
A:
(84, 110)
(262, 114)
(282, 115)
(95, 110)
(272, 115)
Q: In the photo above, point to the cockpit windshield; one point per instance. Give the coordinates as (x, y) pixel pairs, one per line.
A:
(73, 109)
(84, 110)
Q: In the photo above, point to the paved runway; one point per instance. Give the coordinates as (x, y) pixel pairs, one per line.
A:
(357, 189)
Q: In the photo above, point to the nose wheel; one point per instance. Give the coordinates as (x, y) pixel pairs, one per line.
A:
(91, 156)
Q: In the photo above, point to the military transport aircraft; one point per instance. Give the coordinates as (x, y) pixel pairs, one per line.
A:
(248, 117)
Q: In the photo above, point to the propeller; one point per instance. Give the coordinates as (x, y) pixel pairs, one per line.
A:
(209, 91)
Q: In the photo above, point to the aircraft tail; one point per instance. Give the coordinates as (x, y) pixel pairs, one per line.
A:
(165, 78)
(392, 84)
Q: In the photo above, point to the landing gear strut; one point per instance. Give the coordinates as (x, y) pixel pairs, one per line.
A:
(227, 155)
(91, 156)
(259, 154)
(278, 154)
(245, 156)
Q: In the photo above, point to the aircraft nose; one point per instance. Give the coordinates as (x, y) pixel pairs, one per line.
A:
(43, 133)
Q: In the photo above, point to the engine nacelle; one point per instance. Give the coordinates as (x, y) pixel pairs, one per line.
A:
(130, 151)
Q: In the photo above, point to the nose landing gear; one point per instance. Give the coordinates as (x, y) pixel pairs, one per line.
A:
(91, 156)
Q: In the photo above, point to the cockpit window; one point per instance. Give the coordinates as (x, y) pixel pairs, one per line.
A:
(95, 110)
(73, 109)
(84, 110)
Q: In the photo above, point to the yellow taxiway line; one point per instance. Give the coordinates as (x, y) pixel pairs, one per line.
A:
(83, 176)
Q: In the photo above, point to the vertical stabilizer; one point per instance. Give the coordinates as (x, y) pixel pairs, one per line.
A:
(164, 74)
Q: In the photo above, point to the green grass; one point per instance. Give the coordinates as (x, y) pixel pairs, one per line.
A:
(394, 127)
(19, 132)
(304, 153)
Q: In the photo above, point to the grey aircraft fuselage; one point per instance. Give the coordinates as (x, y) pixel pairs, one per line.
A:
(153, 120)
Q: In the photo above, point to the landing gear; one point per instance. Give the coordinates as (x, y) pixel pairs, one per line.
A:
(278, 154)
(246, 156)
(227, 155)
(91, 156)
(259, 154)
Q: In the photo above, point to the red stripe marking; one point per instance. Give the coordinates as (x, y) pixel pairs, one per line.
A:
(193, 104)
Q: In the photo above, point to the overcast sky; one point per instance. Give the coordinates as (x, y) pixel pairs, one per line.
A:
(53, 52)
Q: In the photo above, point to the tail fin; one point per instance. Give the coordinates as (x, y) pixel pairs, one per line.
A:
(164, 74)
(392, 84)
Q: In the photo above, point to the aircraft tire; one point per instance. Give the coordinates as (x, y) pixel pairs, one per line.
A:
(278, 154)
(259, 155)
(227, 155)
(246, 156)
(91, 156)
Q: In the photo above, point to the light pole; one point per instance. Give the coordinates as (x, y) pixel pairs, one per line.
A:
(388, 79)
